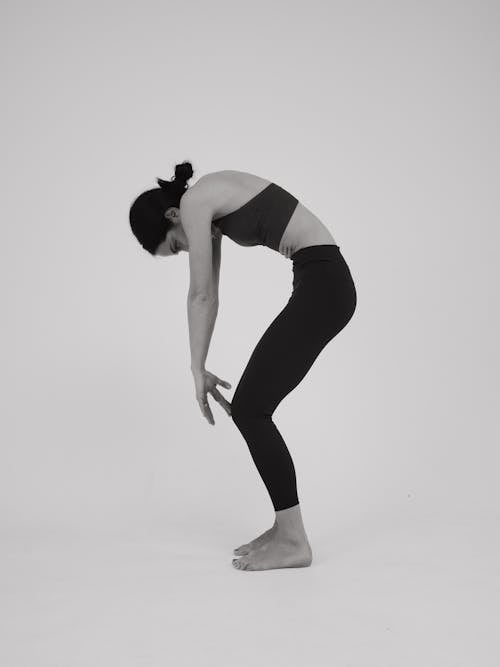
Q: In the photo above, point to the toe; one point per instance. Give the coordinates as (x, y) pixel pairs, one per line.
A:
(236, 563)
(243, 563)
(241, 551)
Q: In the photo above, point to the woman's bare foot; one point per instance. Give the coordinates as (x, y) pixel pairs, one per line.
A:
(278, 551)
(283, 545)
(257, 542)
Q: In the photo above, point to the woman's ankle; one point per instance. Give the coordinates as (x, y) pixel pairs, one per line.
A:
(289, 525)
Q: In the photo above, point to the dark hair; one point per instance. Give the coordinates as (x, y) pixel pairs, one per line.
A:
(146, 215)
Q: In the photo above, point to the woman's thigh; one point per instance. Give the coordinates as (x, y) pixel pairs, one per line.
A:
(289, 346)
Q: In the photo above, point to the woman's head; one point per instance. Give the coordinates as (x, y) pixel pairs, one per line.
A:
(154, 215)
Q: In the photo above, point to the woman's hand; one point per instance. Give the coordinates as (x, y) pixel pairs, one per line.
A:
(206, 383)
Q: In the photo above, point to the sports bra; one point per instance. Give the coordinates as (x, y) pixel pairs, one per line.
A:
(262, 220)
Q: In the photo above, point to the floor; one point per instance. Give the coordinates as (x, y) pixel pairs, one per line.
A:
(394, 591)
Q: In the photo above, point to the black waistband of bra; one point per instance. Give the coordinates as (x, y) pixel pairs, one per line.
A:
(323, 251)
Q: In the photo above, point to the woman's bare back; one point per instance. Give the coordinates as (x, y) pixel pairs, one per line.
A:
(232, 189)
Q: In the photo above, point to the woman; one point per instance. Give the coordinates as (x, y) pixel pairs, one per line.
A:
(253, 211)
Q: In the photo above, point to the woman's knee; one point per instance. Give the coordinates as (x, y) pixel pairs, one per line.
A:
(244, 408)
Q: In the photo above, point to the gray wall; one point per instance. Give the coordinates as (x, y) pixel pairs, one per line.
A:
(382, 118)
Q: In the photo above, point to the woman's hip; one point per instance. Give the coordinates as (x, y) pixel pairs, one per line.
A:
(322, 279)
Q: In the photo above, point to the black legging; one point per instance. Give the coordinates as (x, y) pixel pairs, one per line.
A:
(323, 301)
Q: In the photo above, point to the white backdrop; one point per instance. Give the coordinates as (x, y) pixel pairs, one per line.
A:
(382, 118)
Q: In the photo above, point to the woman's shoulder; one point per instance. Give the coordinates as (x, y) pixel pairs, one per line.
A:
(223, 189)
(207, 185)
(206, 192)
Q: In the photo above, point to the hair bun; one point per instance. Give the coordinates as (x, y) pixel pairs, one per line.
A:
(183, 171)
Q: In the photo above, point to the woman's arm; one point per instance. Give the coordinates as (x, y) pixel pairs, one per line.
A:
(202, 313)
(203, 298)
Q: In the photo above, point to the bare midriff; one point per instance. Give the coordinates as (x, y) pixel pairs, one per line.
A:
(304, 229)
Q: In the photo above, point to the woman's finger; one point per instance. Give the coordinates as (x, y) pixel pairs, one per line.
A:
(225, 384)
(205, 409)
(220, 399)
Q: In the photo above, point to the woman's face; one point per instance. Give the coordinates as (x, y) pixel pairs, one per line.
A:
(176, 240)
